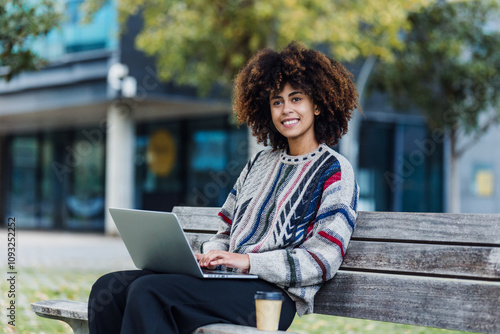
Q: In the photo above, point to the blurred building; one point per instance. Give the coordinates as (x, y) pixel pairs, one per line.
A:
(72, 143)
(97, 129)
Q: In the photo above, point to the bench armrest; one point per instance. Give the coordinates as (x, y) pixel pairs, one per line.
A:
(71, 312)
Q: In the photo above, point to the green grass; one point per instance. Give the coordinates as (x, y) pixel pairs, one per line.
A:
(35, 284)
(323, 324)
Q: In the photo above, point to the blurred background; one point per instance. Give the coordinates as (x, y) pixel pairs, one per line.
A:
(128, 103)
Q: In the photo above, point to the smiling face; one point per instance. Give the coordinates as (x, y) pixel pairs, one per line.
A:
(293, 112)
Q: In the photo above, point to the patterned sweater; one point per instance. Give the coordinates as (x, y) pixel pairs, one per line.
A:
(293, 216)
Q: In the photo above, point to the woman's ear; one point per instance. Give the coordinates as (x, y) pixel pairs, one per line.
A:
(316, 110)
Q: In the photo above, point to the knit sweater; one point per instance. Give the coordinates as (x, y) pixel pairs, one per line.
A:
(293, 216)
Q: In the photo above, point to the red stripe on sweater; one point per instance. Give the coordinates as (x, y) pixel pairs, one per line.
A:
(322, 266)
(334, 178)
(334, 240)
(225, 218)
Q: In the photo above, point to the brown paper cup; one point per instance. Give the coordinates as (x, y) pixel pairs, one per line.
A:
(268, 309)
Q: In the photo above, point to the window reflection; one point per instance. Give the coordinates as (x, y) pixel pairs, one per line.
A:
(56, 181)
(75, 36)
(209, 155)
(85, 202)
(396, 170)
(23, 204)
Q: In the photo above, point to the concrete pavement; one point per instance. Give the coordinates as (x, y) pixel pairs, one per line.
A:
(67, 250)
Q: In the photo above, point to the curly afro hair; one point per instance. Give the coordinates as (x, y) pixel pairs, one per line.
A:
(323, 79)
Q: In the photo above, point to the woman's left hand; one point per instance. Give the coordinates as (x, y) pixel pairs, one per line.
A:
(216, 258)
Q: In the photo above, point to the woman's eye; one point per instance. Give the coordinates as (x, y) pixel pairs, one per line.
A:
(276, 103)
(295, 99)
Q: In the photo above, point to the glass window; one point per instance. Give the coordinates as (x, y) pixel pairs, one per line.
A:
(74, 36)
(217, 155)
(188, 162)
(85, 201)
(56, 181)
(400, 168)
(375, 177)
(420, 166)
(159, 172)
(49, 185)
(22, 202)
(483, 180)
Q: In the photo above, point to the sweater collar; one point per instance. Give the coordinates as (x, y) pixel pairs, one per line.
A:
(298, 159)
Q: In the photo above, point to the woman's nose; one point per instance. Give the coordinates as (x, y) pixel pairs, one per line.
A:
(286, 108)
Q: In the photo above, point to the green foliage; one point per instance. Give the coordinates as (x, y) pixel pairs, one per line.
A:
(450, 67)
(20, 22)
(200, 43)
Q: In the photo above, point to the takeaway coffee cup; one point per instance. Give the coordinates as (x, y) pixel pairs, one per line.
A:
(268, 309)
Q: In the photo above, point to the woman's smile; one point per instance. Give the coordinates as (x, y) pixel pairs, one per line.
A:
(288, 123)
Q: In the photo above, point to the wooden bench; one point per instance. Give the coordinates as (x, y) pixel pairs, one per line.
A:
(429, 269)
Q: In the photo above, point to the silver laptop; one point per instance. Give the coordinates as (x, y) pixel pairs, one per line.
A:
(156, 241)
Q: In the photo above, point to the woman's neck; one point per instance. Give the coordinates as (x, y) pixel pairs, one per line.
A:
(302, 147)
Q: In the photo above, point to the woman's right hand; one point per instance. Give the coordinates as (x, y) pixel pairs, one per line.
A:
(200, 258)
(214, 258)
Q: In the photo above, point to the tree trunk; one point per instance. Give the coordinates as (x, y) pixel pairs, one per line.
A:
(454, 179)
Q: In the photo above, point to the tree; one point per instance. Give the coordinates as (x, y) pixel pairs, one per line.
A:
(199, 42)
(450, 70)
(20, 22)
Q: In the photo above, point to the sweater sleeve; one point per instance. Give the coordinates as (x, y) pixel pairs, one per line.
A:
(221, 239)
(318, 258)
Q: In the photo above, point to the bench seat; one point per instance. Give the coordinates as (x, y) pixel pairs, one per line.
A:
(428, 269)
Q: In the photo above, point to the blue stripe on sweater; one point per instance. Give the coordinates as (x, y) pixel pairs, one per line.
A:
(263, 206)
(334, 212)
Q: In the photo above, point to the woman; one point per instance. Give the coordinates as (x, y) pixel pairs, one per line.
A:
(288, 218)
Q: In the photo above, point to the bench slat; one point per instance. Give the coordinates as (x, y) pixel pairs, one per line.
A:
(196, 239)
(449, 260)
(435, 302)
(197, 219)
(436, 227)
(473, 229)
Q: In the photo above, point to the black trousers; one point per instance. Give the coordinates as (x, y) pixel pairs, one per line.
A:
(145, 302)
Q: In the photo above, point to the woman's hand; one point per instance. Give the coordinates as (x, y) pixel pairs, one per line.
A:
(214, 258)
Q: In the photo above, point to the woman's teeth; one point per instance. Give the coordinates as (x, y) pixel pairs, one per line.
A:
(290, 122)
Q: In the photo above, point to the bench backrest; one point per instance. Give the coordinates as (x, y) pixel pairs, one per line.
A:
(429, 269)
